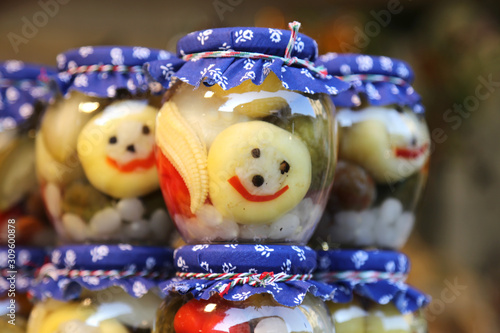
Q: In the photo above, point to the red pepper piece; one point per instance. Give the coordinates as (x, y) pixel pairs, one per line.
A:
(175, 191)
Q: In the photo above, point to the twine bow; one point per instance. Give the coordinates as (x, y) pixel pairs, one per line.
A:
(253, 279)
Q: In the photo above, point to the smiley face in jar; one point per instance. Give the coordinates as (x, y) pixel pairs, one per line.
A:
(95, 149)
(243, 158)
(383, 154)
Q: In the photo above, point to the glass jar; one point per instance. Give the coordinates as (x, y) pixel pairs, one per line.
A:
(24, 95)
(111, 310)
(16, 281)
(95, 149)
(259, 313)
(249, 154)
(384, 149)
(99, 289)
(362, 316)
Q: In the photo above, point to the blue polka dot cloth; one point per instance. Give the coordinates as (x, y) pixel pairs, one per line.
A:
(238, 271)
(374, 274)
(230, 56)
(22, 85)
(382, 80)
(18, 266)
(101, 71)
(96, 267)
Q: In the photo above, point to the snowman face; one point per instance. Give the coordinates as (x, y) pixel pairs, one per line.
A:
(257, 172)
(131, 141)
(116, 149)
(390, 144)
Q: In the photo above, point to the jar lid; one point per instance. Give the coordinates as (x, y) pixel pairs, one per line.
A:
(21, 86)
(229, 56)
(136, 269)
(101, 70)
(18, 266)
(374, 274)
(238, 271)
(381, 79)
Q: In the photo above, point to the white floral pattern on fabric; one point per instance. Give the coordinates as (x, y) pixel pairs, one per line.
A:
(243, 36)
(139, 289)
(70, 258)
(206, 266)
(228, 267)
(13, 65)
(275, 35)
(141, 52)
(359, 258)
(299, 298)
(182, 264)
(26, 110)
(386, 63)
(99, 253)
(372, 92)
(116, 56)
(203, 36)
(403, 71)
(125, 247)
(241, 296)
(365, 63)
(264, 250)
(81, 80)
(390, 266)
(299, 45)
(12, 94)
(85, 51)
(345, 69)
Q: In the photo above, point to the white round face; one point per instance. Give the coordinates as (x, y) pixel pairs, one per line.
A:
(257, 172)
(116, 149)
(389, 144)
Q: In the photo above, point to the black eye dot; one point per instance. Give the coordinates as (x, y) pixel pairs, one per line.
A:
(113, 140)
(256, 153)
(145, 129)
(284, 167)
(399, 108)
(257, 180)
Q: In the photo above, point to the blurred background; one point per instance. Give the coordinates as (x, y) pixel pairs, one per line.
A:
(454, 48)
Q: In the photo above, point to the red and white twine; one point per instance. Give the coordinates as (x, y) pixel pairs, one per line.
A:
(104, 68)
(252, 279)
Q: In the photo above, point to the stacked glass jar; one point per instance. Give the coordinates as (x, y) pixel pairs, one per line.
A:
(383, 155)
(24, 95)
(24, 227)
(246, 154)
(96, 166)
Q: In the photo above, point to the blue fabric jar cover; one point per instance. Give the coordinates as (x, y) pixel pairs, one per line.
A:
(101, 70)
(374, 274)
(229, 56)
(381, 79)
(21, 86)
(19, 266)
(96, 267)
(238, 271)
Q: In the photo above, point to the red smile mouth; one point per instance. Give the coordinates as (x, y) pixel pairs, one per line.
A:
(238, 186)
(134, 165)
(411, 153)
